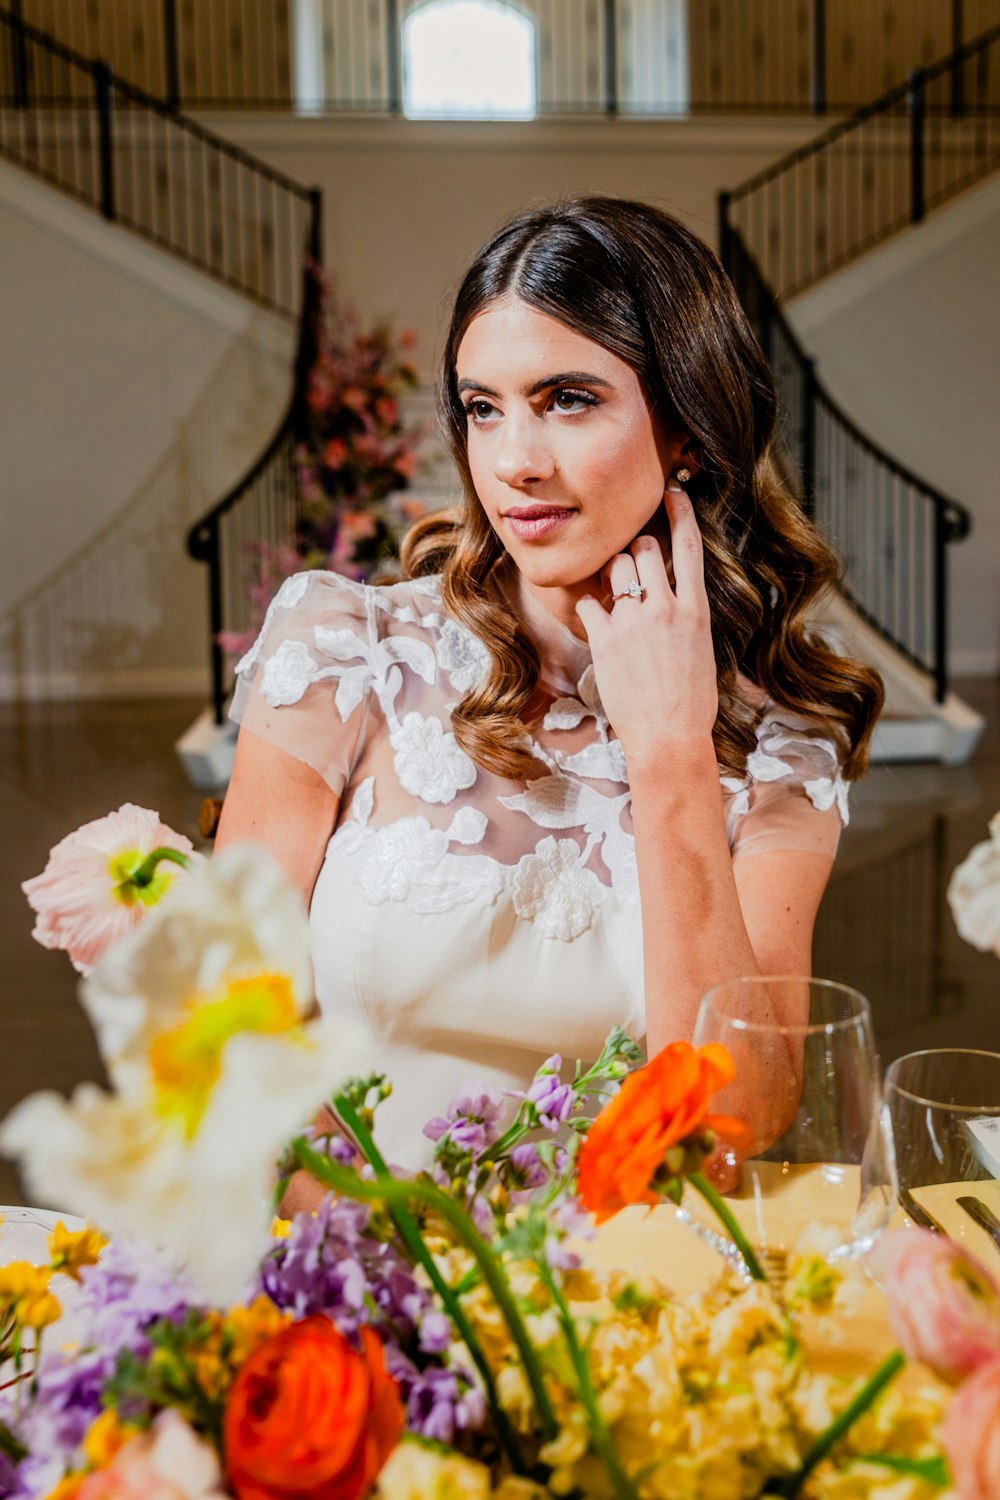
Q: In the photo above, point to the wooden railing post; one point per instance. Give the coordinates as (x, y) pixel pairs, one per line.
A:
(808, 462)
(817, 70)
(104, 99)
(19, 56)
(958, 64)
(171, 55)
(915, 105)
(725, 241)
(941, 532)
(316, 225)
(393, 66)
(610, 57)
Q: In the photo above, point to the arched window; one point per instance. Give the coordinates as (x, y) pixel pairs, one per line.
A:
(469, 60)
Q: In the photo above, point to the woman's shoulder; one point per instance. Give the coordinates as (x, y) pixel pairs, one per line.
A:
(797, 750)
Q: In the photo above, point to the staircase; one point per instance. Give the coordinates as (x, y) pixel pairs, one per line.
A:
(877, 172)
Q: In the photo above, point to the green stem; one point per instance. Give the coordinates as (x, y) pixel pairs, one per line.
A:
(413, 1240)
(724, 1212)
(600, 1437)
(144, 874)
(389, 1190)
(873, 1387)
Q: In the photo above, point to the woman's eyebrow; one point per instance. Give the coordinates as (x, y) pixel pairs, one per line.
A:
(564, 377)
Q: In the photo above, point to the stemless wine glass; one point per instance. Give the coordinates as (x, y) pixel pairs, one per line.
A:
(807, 1085)
(945, 1110)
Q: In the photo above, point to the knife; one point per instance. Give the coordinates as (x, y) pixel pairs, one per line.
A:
(982, 1215)
(916, 1214)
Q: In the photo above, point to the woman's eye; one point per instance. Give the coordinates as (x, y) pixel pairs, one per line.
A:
(479, 411)
(573, 400)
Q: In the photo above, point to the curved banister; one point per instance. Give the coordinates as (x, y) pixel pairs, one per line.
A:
(221, 209)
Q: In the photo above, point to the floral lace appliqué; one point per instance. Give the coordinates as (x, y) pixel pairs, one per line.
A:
(287, 674)
(552, 889)
(428, 761)
(462, 655)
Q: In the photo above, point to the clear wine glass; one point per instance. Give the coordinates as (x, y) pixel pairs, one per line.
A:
(820, 1162)
(944, 1105)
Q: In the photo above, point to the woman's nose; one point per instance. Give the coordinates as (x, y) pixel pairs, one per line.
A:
(522, 455)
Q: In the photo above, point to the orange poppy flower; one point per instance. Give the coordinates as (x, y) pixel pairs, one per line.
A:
(311, 1418)
(658, 1106)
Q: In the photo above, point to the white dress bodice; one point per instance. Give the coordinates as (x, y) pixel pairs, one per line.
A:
(474, 924)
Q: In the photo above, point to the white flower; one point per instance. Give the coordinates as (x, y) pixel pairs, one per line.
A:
(415, 1472)
(463, 656)
(235, 915)
(974, 893)
(400, 853)
(213, 1069)
(287, 674)
(553, 889)
(292, 591)
(428, 761)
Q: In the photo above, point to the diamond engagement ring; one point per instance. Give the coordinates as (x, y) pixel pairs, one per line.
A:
(631, 590)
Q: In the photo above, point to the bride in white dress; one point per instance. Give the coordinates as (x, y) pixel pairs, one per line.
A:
(587, 761)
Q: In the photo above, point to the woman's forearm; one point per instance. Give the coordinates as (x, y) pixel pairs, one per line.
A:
(694, 935)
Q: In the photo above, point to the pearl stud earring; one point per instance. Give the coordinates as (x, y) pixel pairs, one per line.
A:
(682, 476)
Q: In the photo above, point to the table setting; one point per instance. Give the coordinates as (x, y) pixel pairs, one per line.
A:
(749, 1268)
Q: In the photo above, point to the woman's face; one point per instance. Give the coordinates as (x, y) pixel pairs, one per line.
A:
(565, 457)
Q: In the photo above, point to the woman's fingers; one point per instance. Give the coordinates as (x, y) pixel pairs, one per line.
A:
(685, 543)
(623, 578)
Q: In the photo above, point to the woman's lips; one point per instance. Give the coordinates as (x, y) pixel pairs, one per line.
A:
(530, 522)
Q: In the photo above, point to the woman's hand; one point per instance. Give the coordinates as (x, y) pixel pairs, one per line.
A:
(653, 657)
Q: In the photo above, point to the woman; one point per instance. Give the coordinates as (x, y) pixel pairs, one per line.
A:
(590, 738)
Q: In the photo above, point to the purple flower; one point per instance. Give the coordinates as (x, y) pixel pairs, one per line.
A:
(527, 1165)
(435, 1332)
(473, 1118)
(439, 1402)
(553, 1100)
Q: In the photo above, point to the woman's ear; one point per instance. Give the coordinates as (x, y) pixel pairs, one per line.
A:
(688, 462)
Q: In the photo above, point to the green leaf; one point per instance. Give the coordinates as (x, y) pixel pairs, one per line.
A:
(10, 1446)
(933, 1470)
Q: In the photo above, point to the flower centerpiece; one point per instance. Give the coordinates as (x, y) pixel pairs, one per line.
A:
(444, 1335)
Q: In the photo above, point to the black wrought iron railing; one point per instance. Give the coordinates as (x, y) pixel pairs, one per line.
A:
(642, 57)
(261, 513)
(889, 526)
(69, 119)
(874, 173)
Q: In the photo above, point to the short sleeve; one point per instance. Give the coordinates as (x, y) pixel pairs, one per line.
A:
(794, 796)
(305, 683)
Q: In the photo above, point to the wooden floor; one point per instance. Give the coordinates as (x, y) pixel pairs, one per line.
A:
(884, 927)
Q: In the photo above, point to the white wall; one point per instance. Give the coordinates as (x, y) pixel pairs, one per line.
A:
(133, 393)
(407, 204)
(908, 341)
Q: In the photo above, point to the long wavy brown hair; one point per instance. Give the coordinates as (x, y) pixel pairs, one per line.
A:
(635, 281)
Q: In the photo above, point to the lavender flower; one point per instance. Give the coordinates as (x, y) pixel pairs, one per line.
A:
(473, 1119)
(552, 1099)
(439, 1402)
(131, 1287)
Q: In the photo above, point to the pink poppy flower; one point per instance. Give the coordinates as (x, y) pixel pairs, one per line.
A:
(944, 1307)
(971, 1435)
(170, 1462)
(85, 898)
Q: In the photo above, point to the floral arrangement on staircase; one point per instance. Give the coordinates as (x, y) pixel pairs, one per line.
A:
(355, 455)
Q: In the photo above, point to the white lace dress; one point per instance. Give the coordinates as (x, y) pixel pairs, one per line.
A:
(475, 924)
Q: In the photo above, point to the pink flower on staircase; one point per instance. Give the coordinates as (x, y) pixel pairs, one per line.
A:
(99, 882)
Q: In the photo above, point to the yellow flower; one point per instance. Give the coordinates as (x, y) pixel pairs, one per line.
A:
(249, 1326)
(68, 1487)
(281, 1228)
(24, 1292)
(104, 1437)
(71, 1250)
(415, 1472)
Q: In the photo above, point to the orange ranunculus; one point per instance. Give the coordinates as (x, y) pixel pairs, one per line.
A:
(309, 1416)
(657, 1107)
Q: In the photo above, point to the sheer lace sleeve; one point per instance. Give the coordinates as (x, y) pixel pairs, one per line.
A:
(794, 796)
(304, 685)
